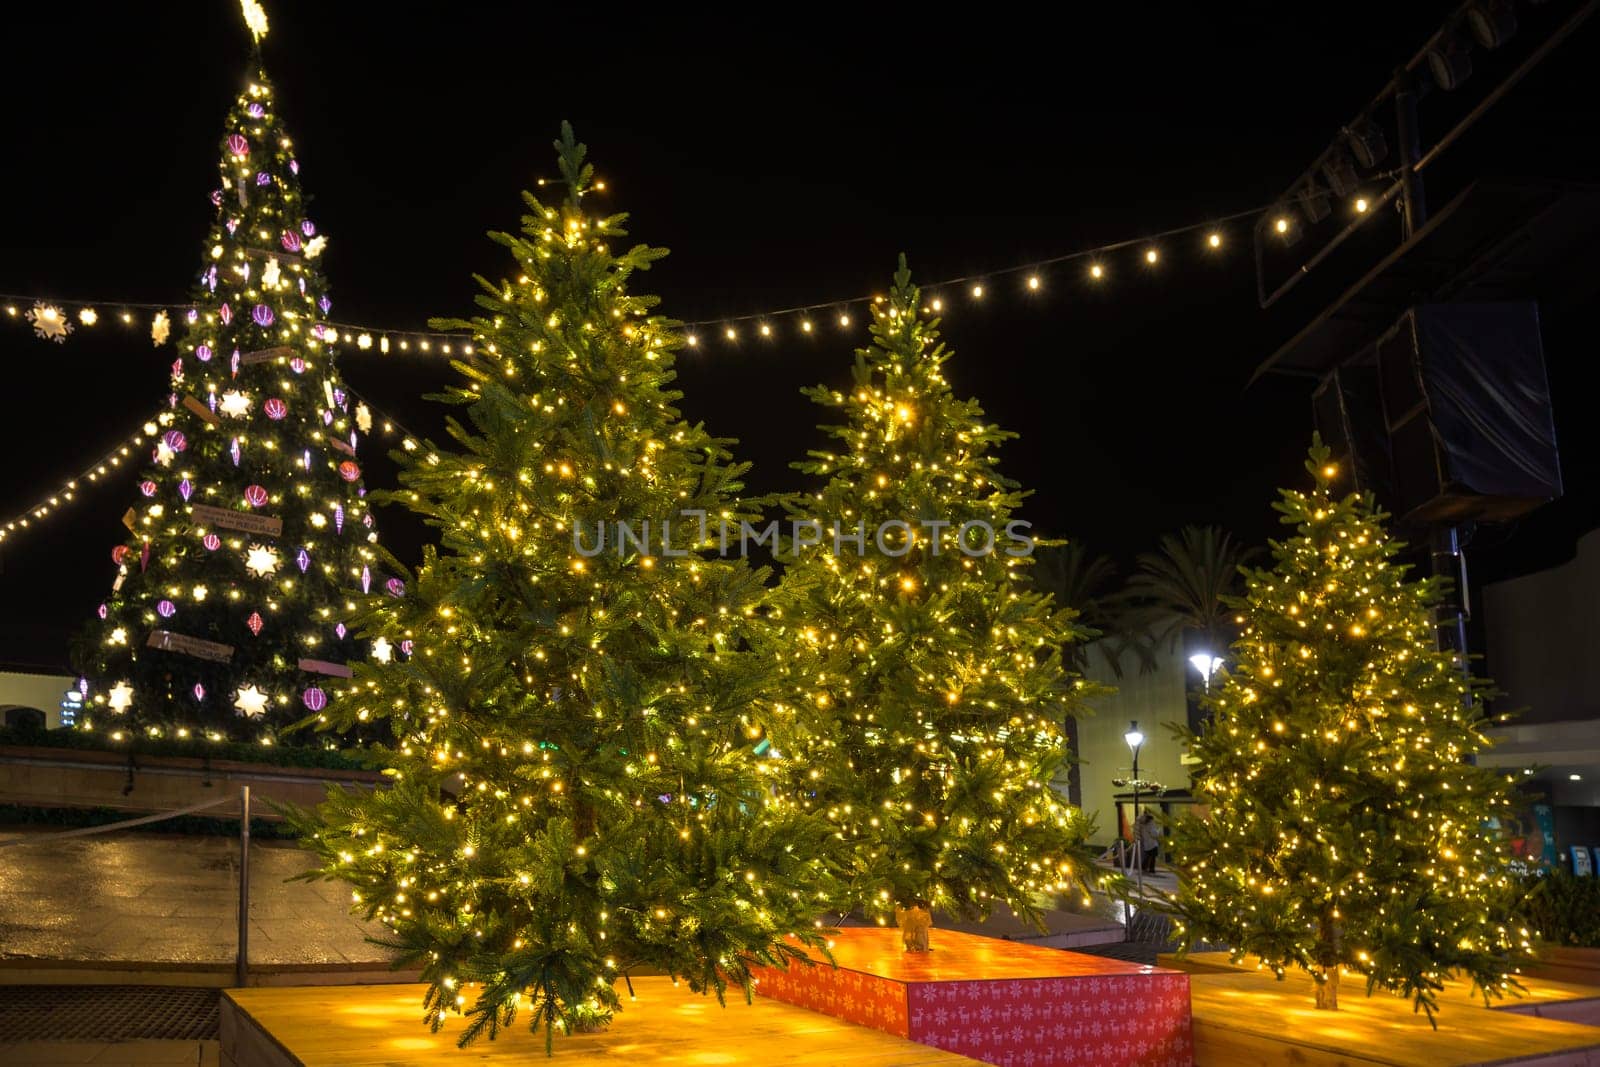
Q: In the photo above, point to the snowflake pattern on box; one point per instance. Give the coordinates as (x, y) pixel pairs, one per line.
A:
(1113, 1015)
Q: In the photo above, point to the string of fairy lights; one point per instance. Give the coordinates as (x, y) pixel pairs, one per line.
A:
(127, 451)
(56, 319)
(59, 318)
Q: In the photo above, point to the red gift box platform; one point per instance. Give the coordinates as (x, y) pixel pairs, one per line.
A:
(1002, 1002)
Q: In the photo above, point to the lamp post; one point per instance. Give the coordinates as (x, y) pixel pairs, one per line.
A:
(1135, 740)
(1207, 665)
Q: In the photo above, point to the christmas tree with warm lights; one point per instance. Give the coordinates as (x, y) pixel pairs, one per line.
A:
(1346, 826)
(250, 544)
(579, 789)
(928, 687)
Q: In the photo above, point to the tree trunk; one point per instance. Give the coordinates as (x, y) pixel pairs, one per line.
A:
(1328, 989)
(915, 922)
(1329, 955)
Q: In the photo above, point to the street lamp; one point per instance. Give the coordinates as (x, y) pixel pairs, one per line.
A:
(1207, 665)
(1135, 739)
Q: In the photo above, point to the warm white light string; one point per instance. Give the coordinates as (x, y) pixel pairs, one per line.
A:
(58, 318)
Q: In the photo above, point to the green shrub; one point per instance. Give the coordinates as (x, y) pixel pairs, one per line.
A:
(197, 748)
(1562, 908)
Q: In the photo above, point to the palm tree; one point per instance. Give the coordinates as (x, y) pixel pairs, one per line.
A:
(1181, 588)
(1089, 585)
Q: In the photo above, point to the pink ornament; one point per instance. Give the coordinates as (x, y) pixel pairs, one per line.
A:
(307, 227)
(103, 612)
(255, 623)
(175, 440)
(263, 178)
(314, 699)
(147, 487)
(290, 241)
(395, 587)
(166, 609)
(177, 369)
(212, 542)
(238, 146)
(191, 316)
(254, 110)
(119, 554)
(297, 365)
(225, 313)
(275, 408)
(366, 580)
(349, 471)
(216, 198)
(406, 646)
(235, 451)
(339, 631)
(294, 166)
(199, 691)
(255, 496)
(203, 353)
(262, 315)
(186, 489)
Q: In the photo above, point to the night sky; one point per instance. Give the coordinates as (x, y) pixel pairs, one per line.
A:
(784, 158)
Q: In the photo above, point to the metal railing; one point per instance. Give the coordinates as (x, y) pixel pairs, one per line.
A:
(241, 967)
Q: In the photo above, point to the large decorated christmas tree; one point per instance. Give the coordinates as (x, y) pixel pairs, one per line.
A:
(928, 685)
(249, 543)
(578, 791)
(1346, 826)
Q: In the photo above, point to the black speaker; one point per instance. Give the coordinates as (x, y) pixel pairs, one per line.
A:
(1466, 406)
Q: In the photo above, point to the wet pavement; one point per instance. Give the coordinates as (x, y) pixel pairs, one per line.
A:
(131, 897)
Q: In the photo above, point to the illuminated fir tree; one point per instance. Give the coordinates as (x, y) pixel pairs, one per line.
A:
(249, 543)
(929, 688)
(1345, 826)
(576, 788)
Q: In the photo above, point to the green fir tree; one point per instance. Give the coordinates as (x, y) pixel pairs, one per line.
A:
(1345, 825)
(929, 687)
(576, 786)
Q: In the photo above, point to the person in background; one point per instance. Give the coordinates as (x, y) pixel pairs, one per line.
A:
(1148, 837)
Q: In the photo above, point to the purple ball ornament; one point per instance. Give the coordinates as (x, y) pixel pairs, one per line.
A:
(166, 609)
(191, 316)
(254, 110)
(308, 227)
(339, 398)
(147, 487)
(237, 145)
(175, 440)
(202, 353)
(212, 542)
(275, 408)
(255, 496)
(216, 198)
(290, 241)
(318, 331)
(395, 587)
(314, 699)
(262, 315)
(186, 489)
(263, 178)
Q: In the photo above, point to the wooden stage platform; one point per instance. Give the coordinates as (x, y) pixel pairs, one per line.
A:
(381, 1026)
(1245, 1016)
(1546, 998)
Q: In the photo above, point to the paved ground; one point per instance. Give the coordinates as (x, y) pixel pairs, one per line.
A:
(129, 896)
(112, 1053)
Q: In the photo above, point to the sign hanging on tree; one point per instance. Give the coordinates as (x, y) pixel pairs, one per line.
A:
(205, 413)
(197, 647)
(229, 519)
(319, 666)
(265, 355)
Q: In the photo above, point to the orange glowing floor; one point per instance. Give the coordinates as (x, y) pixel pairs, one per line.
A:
(380, 1026)
(1250, 1018)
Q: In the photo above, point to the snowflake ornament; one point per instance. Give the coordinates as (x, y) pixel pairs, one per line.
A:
(251, 702)
(261, 561)
(160, 329)
(235, 403)
(363, 418)
(120, 697)
(382, 651)
(315, 247)
(271, 273)
(49, 322)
